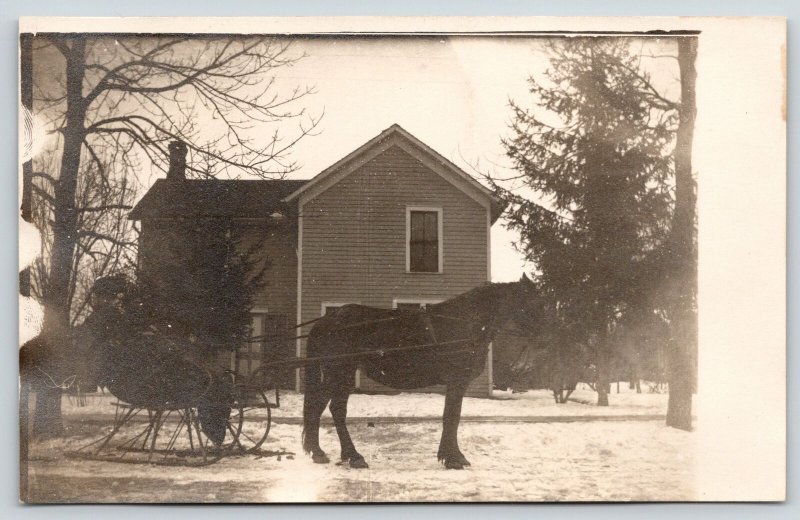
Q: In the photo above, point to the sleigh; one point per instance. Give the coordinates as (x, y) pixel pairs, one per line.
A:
(174, 408)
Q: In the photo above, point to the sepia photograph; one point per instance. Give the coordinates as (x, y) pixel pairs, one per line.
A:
(455, 260)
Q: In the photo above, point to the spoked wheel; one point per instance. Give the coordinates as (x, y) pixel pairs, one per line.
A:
(250, 421)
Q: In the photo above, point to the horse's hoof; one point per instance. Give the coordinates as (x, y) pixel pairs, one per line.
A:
(320, 458)
(358, 462)
(456, 461)
(453, 464)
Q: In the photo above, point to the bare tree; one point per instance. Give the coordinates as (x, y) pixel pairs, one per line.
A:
(116, 103)
(682, 271)
(106, 242)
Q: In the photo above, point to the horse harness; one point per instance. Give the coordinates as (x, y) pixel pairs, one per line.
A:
(427, 322)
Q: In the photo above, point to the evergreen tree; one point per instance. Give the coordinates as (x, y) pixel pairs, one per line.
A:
(204, 289)
(597, 148)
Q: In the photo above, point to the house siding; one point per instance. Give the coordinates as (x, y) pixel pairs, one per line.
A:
(354, 241)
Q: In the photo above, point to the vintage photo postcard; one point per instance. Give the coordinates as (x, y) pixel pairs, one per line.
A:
(332, 260)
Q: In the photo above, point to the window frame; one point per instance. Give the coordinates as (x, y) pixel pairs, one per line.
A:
(336, 304)
(422, 302)
(440, 237)
(255, 351)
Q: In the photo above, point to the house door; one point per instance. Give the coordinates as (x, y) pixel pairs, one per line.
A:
(271, 341)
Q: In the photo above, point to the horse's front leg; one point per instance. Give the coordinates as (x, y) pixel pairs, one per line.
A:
(449, 453)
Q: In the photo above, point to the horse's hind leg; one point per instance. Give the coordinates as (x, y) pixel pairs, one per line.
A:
(314, 402)
(311, 431)
(341, 393)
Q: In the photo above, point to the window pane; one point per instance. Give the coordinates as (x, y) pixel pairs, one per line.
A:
(431, 257)
(417, 225)
(274, 332)
(424, 243)
(256, 323)
(256, 331)
(417, 256)
(431, 227)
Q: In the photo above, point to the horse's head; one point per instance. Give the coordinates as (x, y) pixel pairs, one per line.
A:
(520, 302)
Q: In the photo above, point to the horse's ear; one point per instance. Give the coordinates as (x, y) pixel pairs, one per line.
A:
(525, 279)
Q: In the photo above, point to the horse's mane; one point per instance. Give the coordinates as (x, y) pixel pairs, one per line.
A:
(482, 294)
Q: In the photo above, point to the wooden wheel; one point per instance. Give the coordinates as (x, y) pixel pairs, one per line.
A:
(250, 421)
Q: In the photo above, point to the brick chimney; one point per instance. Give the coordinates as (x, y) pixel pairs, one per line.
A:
(177, 161)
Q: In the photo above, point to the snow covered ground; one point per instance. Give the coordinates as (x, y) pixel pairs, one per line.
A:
(590, 459)
(531, 403)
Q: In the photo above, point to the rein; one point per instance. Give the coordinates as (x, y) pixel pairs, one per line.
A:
(422, 313)
(257, 339)
(301, 362)
(426, 319)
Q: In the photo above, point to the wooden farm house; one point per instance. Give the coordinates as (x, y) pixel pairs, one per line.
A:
(392, 224)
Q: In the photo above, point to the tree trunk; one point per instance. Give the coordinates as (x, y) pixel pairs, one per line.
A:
(26, 94)
(683, 271)
(47, 417)
(47, 420)
(602, 364)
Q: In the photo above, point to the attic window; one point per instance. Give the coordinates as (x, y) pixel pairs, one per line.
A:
(424, 240)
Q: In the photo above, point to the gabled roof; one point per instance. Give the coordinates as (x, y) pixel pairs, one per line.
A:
(215, 198)
(396, 134)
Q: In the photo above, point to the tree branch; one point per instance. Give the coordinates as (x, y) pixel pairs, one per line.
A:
(107, 238)
(105, 207)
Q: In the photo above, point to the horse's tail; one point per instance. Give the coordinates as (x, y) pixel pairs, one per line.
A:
(313, 388)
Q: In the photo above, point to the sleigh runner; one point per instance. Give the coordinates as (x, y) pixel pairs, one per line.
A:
(196, 430)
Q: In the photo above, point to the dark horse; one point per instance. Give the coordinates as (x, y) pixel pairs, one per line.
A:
(446, 343)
